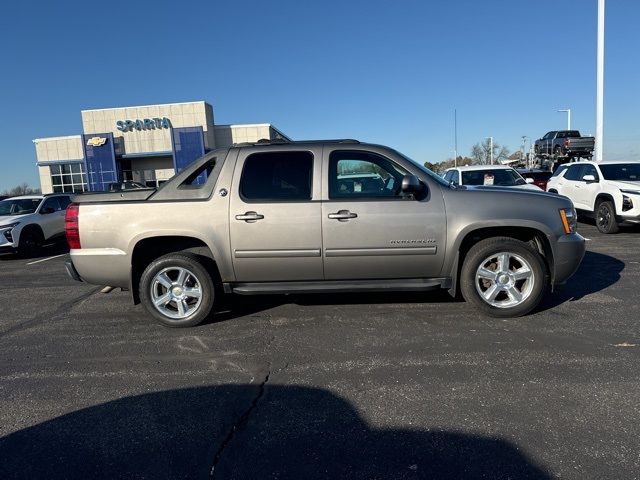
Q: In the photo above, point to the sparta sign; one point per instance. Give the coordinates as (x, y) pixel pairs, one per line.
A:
(145, 124)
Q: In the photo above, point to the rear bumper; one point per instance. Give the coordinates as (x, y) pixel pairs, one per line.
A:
(569, 251)
(71, 270)
(102, 266)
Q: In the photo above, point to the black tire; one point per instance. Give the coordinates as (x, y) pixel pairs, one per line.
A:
(553, 191)
(31, 240)
(520, 254)
(606, 217)
(199, 278)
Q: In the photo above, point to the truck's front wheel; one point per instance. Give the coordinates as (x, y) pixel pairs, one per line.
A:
(177, 290)
(503, 277)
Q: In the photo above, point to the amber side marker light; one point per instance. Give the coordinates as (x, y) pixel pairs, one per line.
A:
(565, 221)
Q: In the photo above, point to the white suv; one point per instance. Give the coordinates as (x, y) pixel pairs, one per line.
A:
(609, 191)
(28, 221)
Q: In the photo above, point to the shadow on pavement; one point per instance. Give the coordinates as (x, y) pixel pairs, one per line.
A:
(48, 250)
(596, 272)
(247, 431)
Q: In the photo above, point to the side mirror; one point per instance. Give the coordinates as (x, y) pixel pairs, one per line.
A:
(589, 178)
(529, 180)
(411, 184)
(47, 210)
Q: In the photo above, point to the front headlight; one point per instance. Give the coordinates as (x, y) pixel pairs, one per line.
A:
(10, 225)
(569, 220)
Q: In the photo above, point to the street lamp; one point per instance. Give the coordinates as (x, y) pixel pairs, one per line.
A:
(524, 149)
(491, 148)
(600, 83)
(568, 112)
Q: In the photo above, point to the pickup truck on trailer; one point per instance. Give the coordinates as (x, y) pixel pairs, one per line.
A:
(323, 216)
(565, 143)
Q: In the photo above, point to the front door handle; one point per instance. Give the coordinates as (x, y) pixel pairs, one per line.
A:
(342, 215)
(250, 217)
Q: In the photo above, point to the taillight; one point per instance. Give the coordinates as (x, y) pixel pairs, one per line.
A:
(71, 226)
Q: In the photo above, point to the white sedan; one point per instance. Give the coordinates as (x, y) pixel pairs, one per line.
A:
(488, 175)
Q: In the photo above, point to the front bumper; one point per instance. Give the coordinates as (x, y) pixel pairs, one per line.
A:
(71, 270)
(568, 253)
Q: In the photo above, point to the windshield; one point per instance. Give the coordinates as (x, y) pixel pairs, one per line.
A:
(424, 169)
(497, 177)
(621, 172)
(22, 206)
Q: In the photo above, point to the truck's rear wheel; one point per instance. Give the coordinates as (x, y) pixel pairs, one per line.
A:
(177, 290)
(606, 217)
(503, 277)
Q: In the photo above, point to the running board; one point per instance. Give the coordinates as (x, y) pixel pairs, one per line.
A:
(329, 286)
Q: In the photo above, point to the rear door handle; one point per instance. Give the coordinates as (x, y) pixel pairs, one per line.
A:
(250, 217)
(342, 215)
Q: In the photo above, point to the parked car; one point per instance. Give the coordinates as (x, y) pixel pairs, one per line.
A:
(128, 185)
(488, 176)
(539, 177)
(28, 221)
(609, 192)
(565, 143)
(303, 217)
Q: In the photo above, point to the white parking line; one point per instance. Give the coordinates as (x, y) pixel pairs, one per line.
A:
(45, 259)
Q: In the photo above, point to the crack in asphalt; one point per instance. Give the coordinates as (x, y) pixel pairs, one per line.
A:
(239, 424)
(56, 314)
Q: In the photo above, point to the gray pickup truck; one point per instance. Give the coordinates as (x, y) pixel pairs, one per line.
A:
(322, 216)
(565, 143)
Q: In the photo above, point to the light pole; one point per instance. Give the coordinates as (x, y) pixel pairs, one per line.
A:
(455, 137)
(491, 149)
(524, 150)
(600, 83)
(568, 112)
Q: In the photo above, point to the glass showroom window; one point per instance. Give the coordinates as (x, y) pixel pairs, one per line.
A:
(68, 177)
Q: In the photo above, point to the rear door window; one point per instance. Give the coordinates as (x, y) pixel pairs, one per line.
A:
(574, 173)
(277, 176)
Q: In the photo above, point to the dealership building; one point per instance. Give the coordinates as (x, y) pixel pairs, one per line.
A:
(146, 144)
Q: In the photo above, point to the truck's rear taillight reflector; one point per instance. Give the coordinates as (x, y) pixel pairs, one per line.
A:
(71, 226)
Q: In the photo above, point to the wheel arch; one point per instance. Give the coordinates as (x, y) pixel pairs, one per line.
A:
(535, 237)
(148, 249)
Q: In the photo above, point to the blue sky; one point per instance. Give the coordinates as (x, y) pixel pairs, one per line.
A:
(380, 71)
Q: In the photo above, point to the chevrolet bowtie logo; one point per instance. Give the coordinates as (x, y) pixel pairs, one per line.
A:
(96, 141)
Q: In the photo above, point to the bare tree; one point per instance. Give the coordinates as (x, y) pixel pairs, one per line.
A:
(22, 189)
(481, 153)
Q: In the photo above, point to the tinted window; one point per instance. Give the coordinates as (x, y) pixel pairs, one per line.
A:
(589, 170)
(621, 171)
(574, 172)
(64, 202)
(448, 175)
(52, 202)
(354, 174)
(22, 206)
(559, 170)
(279, 176)
(498, 177)
(456, 177)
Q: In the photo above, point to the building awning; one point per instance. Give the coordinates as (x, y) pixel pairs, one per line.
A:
(46, 163)
(147, 154)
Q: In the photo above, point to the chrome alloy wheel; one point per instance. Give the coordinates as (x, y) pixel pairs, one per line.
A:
(504, 280)
(176, 292)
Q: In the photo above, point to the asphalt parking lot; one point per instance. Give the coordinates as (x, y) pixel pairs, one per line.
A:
(328, 386)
